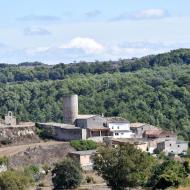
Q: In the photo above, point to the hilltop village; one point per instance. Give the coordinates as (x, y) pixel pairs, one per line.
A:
(109, 130)
(112, 131)
(23, 144)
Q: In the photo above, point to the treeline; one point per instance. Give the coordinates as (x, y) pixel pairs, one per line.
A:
(31, 71)
(159, 96)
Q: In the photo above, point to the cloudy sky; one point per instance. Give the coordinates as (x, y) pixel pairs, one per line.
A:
(54, 31)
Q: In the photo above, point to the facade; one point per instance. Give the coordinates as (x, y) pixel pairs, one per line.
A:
(86, 121)
(140, 128)
(120, 129)
(173, 146)
(84, 158)
(10, 119)
(138, 143)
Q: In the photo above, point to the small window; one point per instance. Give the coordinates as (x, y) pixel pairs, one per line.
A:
(116, 134)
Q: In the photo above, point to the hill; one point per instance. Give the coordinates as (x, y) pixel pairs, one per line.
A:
(158, 93)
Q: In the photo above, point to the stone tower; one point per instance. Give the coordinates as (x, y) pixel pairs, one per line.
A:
(70, 108)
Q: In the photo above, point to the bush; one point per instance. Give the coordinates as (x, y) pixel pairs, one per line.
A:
(66, 175)
(83, 144)
(15, 180)
(4, 161)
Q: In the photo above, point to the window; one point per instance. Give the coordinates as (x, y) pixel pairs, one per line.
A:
(117, 127)
(116, 134)
(122, 133)
(178, 146)
(170, 144)
(112, 127)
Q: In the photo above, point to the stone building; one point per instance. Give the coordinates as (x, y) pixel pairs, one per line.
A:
(84, 158)
(63, 132)
(140, 128)
(173, 146)
(10, 119)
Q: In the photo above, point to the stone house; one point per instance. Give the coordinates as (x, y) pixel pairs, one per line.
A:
(140, 128)
(95, 125)
(173, 146)
(84, 158)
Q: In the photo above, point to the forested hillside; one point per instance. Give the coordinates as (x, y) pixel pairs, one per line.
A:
(158, 95)
(39, 71)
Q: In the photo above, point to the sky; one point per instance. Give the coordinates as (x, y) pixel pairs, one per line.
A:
(54, 31)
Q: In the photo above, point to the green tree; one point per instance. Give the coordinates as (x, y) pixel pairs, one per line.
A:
(169, 174)
(66, 175)
(124, 166)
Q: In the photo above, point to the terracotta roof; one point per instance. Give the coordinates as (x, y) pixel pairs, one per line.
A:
(158, 133)
(137, 125)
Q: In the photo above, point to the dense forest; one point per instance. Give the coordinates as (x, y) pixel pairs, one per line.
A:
(39, 71)
(152, 89)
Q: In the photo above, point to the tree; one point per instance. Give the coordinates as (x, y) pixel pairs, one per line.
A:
(66, 175)
(15, 180)
(124, 166)
(169, 174)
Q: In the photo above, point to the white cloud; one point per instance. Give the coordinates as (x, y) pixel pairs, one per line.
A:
(150, 14)
(33, 31)
(88, 45)
(154, 13)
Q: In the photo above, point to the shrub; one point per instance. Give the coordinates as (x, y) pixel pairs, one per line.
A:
(83, 144)
(15, 180)
(67, 175)
(4, 161)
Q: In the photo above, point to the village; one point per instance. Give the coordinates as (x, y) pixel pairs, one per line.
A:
(111, 131)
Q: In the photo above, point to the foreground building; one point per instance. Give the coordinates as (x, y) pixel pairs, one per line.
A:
(84, 158)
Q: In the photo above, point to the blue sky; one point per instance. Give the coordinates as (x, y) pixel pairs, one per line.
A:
(54, 31)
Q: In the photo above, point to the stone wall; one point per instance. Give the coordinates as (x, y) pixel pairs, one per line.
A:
(18, 135)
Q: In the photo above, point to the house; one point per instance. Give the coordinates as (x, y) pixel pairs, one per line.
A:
(119, 128)
(95, 125)
(84, 158)
(140, 128)
(173, 146)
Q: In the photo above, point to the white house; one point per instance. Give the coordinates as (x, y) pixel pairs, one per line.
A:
(120, 129)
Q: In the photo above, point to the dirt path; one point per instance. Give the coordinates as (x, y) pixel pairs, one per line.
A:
(12, 150)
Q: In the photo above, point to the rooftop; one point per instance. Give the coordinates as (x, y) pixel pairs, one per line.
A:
(116, 120)
(85, 116)
(137, 125)
(85, 152)
(61, 125)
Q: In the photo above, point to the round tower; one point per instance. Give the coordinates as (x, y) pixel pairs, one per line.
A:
(70, 108)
